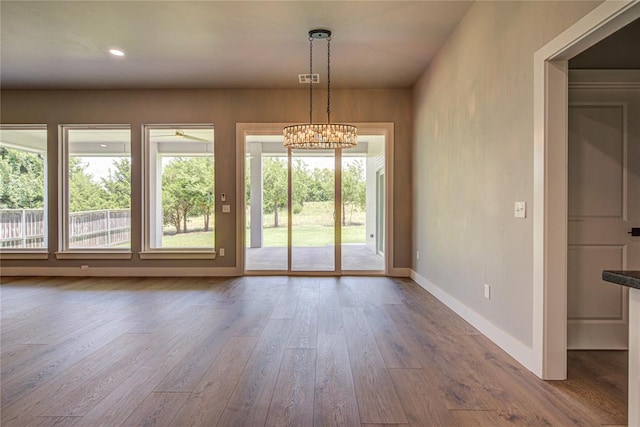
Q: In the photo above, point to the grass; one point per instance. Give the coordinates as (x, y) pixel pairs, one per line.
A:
(273, 237)
(194, 239)
(310, 235)
(313, 226)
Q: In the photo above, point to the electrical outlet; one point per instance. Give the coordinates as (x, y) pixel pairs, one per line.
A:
(221, 251)
(487, 291)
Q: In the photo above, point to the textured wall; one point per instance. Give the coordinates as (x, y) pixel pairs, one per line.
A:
(473, 157)
(223, 108)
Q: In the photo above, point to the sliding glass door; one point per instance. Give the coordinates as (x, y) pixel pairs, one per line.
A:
(316, 211)
(313, 219)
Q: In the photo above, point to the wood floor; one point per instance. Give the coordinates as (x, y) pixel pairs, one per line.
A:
(273, 351)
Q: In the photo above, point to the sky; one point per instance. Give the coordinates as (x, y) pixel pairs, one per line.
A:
(99, 167)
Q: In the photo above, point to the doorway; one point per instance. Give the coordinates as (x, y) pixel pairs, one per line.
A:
(313, 211)
(549, 355)
(604, 151)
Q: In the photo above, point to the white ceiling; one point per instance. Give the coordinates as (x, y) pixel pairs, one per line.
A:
(218, 44)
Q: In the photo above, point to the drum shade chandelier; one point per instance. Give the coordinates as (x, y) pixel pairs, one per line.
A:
(320, 135)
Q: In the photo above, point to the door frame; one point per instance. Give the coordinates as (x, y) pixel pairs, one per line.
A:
(380, 228)
(550, 183)
(385, 129)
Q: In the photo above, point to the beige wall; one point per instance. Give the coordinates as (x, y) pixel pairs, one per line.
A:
(223, 108)
(473, 158)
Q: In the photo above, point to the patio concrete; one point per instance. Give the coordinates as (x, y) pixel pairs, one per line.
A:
(317, 258)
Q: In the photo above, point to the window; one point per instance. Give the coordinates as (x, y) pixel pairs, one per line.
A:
(96, 188)
(23, 189)
(179, 188)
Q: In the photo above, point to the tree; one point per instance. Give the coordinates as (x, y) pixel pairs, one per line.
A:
(353, 189)
(21, 179)
(301, 181)
(321, 188)
(179, 192)
(274, 186)
(202, 169)
(118, 184)
(84, 193)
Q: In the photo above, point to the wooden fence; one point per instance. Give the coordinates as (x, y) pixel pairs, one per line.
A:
(21, 228)
(24, 228)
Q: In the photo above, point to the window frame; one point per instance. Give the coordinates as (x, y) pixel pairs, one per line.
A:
(64, 251)
(33, 253)
(147, 251)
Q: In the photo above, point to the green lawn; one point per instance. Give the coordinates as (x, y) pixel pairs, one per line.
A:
(313, 226)
(196, 239)
(308, 235)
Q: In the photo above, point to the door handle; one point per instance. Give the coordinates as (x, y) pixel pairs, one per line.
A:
(635, 231)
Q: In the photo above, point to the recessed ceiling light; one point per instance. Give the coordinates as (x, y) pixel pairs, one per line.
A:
(116, 52)
(103, 145)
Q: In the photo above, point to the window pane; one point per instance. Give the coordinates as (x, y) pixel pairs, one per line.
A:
(313, 210)
(181, 187)
(266, 202)
(99, 188)
(363, 207)
(23, 158)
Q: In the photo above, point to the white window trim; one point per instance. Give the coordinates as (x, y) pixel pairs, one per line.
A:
(23, 254)
(32, 253)
(64, 252)
(178, 254)
(94, 254)
(147, 251)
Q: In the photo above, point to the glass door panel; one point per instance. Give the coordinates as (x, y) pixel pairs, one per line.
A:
(290, 207)
(266, 212)
(362, 216)
(313, 210)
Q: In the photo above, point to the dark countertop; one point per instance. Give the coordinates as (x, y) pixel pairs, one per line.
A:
(624, 278)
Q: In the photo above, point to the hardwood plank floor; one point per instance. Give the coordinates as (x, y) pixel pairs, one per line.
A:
(249, 403)
(335, 396)
(292, 403)
(378, 401)
(277, 351)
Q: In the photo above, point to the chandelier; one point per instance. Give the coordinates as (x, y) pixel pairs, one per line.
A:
(320, 135)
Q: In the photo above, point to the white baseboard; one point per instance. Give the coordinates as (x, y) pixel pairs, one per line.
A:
(516, 349)
(122, 272)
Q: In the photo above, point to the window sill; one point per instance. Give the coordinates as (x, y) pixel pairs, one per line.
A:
(17, 254)
(187, 254)
(84, 254)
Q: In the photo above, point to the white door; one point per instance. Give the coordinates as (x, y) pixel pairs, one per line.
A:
(604, 204)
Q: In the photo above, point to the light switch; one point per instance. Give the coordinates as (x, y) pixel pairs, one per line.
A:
(520, 210)
(226, 208)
